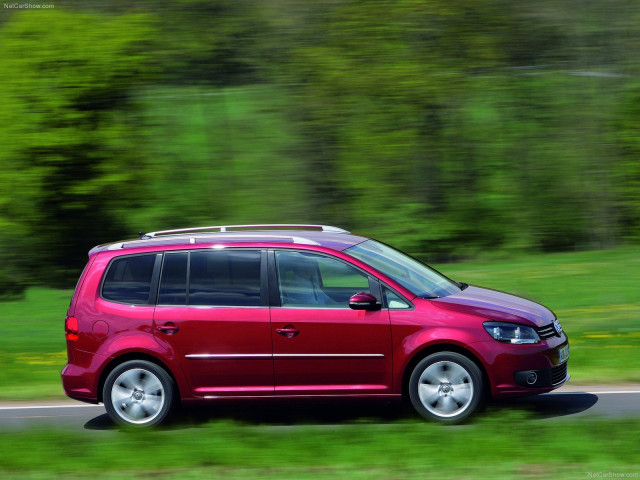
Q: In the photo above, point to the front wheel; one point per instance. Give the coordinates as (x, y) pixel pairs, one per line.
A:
(446, 387)
(138, 393)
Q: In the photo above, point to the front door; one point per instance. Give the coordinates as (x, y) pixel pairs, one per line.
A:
(320, 345)
(212, 315)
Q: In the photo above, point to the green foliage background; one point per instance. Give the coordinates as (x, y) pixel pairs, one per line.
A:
(452, 130)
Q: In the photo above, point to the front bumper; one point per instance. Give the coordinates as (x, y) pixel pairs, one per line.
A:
(546, 378)
(510, 366)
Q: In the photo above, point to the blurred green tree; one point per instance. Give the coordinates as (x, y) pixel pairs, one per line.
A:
(71, 156)
(450, 130)
(458, 129)
(627, 171)
(377, 87)
(210, 42)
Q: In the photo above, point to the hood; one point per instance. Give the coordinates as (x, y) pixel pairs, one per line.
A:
(496, 305)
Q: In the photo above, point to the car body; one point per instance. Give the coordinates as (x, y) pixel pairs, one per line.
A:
(295, 311)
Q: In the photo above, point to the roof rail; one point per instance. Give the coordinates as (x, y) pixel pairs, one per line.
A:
(225, 228)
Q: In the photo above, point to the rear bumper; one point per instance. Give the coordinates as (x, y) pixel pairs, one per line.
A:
(80, 376)
(75, 385)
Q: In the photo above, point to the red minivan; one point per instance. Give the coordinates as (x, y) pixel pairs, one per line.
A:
(295, 311)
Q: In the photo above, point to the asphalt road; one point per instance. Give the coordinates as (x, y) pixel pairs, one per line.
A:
(567, 402)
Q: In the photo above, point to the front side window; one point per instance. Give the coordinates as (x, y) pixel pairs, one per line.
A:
(415, 276)
(129, 279)
(307, 280)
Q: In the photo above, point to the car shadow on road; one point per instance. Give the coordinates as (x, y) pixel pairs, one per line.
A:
(277, 414)
(549, 406)
(332, 413)
(101, 422)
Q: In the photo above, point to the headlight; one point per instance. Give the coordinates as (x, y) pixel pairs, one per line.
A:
(511, 332)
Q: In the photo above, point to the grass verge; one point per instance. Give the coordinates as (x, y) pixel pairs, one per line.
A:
(492, 447)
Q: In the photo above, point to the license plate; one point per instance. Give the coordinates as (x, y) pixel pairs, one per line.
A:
(563, 354)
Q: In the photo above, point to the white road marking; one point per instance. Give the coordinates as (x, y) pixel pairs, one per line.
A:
(45, 416)
(607, 392)
(34, 407)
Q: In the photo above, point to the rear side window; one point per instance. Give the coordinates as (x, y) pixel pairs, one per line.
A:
(211, 278)
(173, 282)
(226, 278)
(129, 279)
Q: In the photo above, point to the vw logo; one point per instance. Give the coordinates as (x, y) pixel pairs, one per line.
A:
(557, 326)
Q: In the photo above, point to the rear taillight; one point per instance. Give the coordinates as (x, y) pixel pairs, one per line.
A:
(71, 328)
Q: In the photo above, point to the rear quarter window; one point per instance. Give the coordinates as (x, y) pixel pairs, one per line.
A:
(128, 279)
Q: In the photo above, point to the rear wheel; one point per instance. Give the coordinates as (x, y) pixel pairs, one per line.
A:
(138, 393)
(446, 387)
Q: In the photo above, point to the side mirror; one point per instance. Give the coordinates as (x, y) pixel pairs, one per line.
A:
(364, 301)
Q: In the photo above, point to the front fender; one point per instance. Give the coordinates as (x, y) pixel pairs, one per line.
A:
(423, 342)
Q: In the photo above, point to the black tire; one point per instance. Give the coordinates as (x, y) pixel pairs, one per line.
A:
(446, 387)
(138, 393)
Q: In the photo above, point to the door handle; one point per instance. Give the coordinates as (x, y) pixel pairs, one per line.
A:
(289, 331)
(168, 328)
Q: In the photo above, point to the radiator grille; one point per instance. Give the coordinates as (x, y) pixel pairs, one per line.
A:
(559, 373)
(547, 332)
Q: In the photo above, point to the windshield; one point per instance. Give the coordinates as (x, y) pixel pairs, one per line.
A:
(410, 273)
